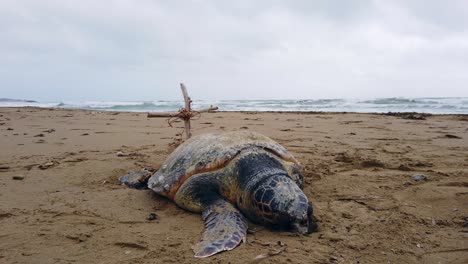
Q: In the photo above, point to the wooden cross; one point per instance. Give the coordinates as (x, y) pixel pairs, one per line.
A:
(184, 113)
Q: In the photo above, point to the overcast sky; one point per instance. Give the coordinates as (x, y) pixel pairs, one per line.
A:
(242, 49)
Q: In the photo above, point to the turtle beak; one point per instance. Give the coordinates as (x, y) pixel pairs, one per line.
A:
(299, 228)
(305, 226)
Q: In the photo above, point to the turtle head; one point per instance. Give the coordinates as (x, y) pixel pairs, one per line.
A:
(279, 202)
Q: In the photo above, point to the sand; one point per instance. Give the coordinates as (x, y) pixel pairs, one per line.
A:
(60, 200)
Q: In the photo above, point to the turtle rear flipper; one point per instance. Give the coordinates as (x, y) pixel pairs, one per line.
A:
(225, 228)
(136, 179)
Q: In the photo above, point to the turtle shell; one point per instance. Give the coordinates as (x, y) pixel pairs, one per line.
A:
(209, 152)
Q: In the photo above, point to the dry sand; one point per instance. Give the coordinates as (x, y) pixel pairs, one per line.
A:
(358, 170)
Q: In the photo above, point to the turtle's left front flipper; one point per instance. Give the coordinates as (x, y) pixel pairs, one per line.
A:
(225, 228)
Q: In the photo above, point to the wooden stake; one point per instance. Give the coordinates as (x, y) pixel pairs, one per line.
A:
(188, 102)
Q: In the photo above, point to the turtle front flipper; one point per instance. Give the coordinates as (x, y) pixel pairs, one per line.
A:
(136, 179)
(225, 228)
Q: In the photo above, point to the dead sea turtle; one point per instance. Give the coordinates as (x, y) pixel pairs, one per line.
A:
(227, 177)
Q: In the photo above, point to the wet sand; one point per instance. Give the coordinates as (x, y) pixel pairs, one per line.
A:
(61, 202)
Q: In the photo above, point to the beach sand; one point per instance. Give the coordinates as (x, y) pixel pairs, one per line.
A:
(61, 202)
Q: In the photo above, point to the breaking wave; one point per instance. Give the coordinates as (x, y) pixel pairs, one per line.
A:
(452, 105)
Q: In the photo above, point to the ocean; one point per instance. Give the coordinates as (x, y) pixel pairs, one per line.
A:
(452, 105)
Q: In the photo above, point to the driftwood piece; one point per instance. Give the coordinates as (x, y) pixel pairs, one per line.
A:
(174, 114)
(162, 114)
(185, 113)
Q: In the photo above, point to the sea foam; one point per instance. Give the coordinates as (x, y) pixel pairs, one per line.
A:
(452, 105)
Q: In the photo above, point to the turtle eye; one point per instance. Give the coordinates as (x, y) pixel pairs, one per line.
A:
(304, 222)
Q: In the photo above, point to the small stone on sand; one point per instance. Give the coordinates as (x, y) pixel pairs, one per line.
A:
(120, 154)
(452, 136)
(152, 216)
(46, 165)
(418, 177)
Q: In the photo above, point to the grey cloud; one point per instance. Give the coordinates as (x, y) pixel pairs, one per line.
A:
(133, 50)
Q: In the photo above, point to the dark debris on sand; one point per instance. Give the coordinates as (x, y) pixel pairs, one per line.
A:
(409, 115)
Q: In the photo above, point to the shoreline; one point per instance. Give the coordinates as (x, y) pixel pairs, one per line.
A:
(248, 112)
(61, 200)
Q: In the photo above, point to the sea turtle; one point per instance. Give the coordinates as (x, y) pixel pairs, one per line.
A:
(227, 177)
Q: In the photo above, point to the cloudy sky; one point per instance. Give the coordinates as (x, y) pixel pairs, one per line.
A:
(243, 49)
